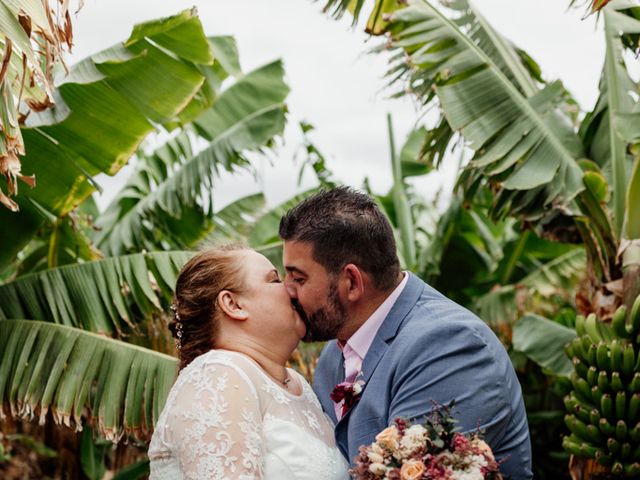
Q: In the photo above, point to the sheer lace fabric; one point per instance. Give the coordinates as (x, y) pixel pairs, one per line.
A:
(226, 419)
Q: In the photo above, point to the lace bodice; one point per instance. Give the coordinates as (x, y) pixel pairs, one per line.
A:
(226, 419)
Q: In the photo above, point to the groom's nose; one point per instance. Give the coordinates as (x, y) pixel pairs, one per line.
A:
(291, 290)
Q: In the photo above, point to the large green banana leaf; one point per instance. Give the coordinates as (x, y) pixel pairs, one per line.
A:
(104, 108)
(234, 222)
(502, 306)
(543, 341)
(522, 141)
(263, 234)
(100, 296)
(245, 116)
(602, 132)
(82, 376)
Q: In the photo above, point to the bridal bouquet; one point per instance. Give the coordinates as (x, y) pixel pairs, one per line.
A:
(429, 451)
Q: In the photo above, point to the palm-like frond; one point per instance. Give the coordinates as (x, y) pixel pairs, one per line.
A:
(95, 296)
(521, 141)
(464, 248)
(78, 375)
(246, 116)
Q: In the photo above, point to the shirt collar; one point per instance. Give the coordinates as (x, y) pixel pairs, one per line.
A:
(362, 339)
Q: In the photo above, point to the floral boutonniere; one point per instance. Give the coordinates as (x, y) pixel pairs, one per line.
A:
(349, 392)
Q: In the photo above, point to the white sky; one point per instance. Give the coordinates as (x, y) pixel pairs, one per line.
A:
(334, 85)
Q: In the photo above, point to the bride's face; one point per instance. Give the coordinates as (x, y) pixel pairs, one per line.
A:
(266, 299)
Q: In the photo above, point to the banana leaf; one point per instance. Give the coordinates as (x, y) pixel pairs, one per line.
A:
(79, 376)
(543, 341)
(101, 296)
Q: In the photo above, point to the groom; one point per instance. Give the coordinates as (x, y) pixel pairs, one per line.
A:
(402, 341)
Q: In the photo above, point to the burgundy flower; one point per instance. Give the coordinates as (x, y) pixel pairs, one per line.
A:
(349, 392)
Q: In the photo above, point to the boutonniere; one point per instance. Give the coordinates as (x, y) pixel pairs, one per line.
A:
(349, 392)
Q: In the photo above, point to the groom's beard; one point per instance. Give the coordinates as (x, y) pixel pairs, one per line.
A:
(325, 323)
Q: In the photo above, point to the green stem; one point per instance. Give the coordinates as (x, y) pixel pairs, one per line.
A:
(616, 145)
(632, 221)
(54, 242)
(513, 259)
(404, 218)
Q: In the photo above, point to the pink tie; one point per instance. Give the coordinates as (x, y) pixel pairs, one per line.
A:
(352, 364)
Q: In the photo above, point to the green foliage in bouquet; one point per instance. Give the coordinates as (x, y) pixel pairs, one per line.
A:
(604, 405)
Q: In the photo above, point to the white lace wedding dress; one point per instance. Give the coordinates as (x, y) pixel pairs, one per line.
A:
(226, 419)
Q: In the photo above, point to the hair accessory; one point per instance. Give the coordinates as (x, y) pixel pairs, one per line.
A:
(174, 309)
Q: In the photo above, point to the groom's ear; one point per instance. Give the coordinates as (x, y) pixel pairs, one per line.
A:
(353, 282)
(228, 303)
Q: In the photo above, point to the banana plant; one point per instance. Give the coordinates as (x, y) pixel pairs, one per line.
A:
(88, 318)
(104, 108)
(525, 146)
(81, 376)
(168, 202)
(76, 294)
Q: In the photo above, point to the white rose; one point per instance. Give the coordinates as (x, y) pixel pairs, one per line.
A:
(377, 448)
(414, 438)
(473, 473)
(375, 457)
(357, 388)
(377, 469)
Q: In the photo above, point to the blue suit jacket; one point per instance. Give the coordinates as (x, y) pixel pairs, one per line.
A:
(430, 348)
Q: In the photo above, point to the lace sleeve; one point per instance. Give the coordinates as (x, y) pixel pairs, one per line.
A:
(215, 424)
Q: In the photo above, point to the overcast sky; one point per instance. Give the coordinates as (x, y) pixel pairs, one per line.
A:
(334, 85)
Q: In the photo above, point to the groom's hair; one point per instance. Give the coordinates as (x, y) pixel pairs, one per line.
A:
(345, 226)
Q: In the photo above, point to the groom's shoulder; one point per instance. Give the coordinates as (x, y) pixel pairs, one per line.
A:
(435, 317)
(433, 310)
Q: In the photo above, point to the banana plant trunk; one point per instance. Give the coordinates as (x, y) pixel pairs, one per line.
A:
(631, 272)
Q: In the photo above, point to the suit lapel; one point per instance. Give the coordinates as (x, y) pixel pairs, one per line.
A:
(380, 344)
(389, 328)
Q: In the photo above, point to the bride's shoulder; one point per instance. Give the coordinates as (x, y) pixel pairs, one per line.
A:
(218, 367)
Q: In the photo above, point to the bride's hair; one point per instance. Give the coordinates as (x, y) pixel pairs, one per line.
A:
(195, 322)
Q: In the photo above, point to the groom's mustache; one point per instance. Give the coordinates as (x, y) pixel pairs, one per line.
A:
(300, 310)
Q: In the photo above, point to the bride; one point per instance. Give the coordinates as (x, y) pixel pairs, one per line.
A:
(235, 410)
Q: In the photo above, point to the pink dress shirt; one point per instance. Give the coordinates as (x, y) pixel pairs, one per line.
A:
(358, 345)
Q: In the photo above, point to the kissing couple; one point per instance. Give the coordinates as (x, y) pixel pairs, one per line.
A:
(395, 347)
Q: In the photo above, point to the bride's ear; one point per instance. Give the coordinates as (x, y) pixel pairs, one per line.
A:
(228, 303)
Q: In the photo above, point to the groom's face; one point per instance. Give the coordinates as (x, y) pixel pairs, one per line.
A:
(314, 292)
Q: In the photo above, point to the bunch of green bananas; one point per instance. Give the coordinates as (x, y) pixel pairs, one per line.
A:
(604, 405)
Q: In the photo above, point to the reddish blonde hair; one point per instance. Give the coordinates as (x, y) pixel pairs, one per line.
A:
(196, 312)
